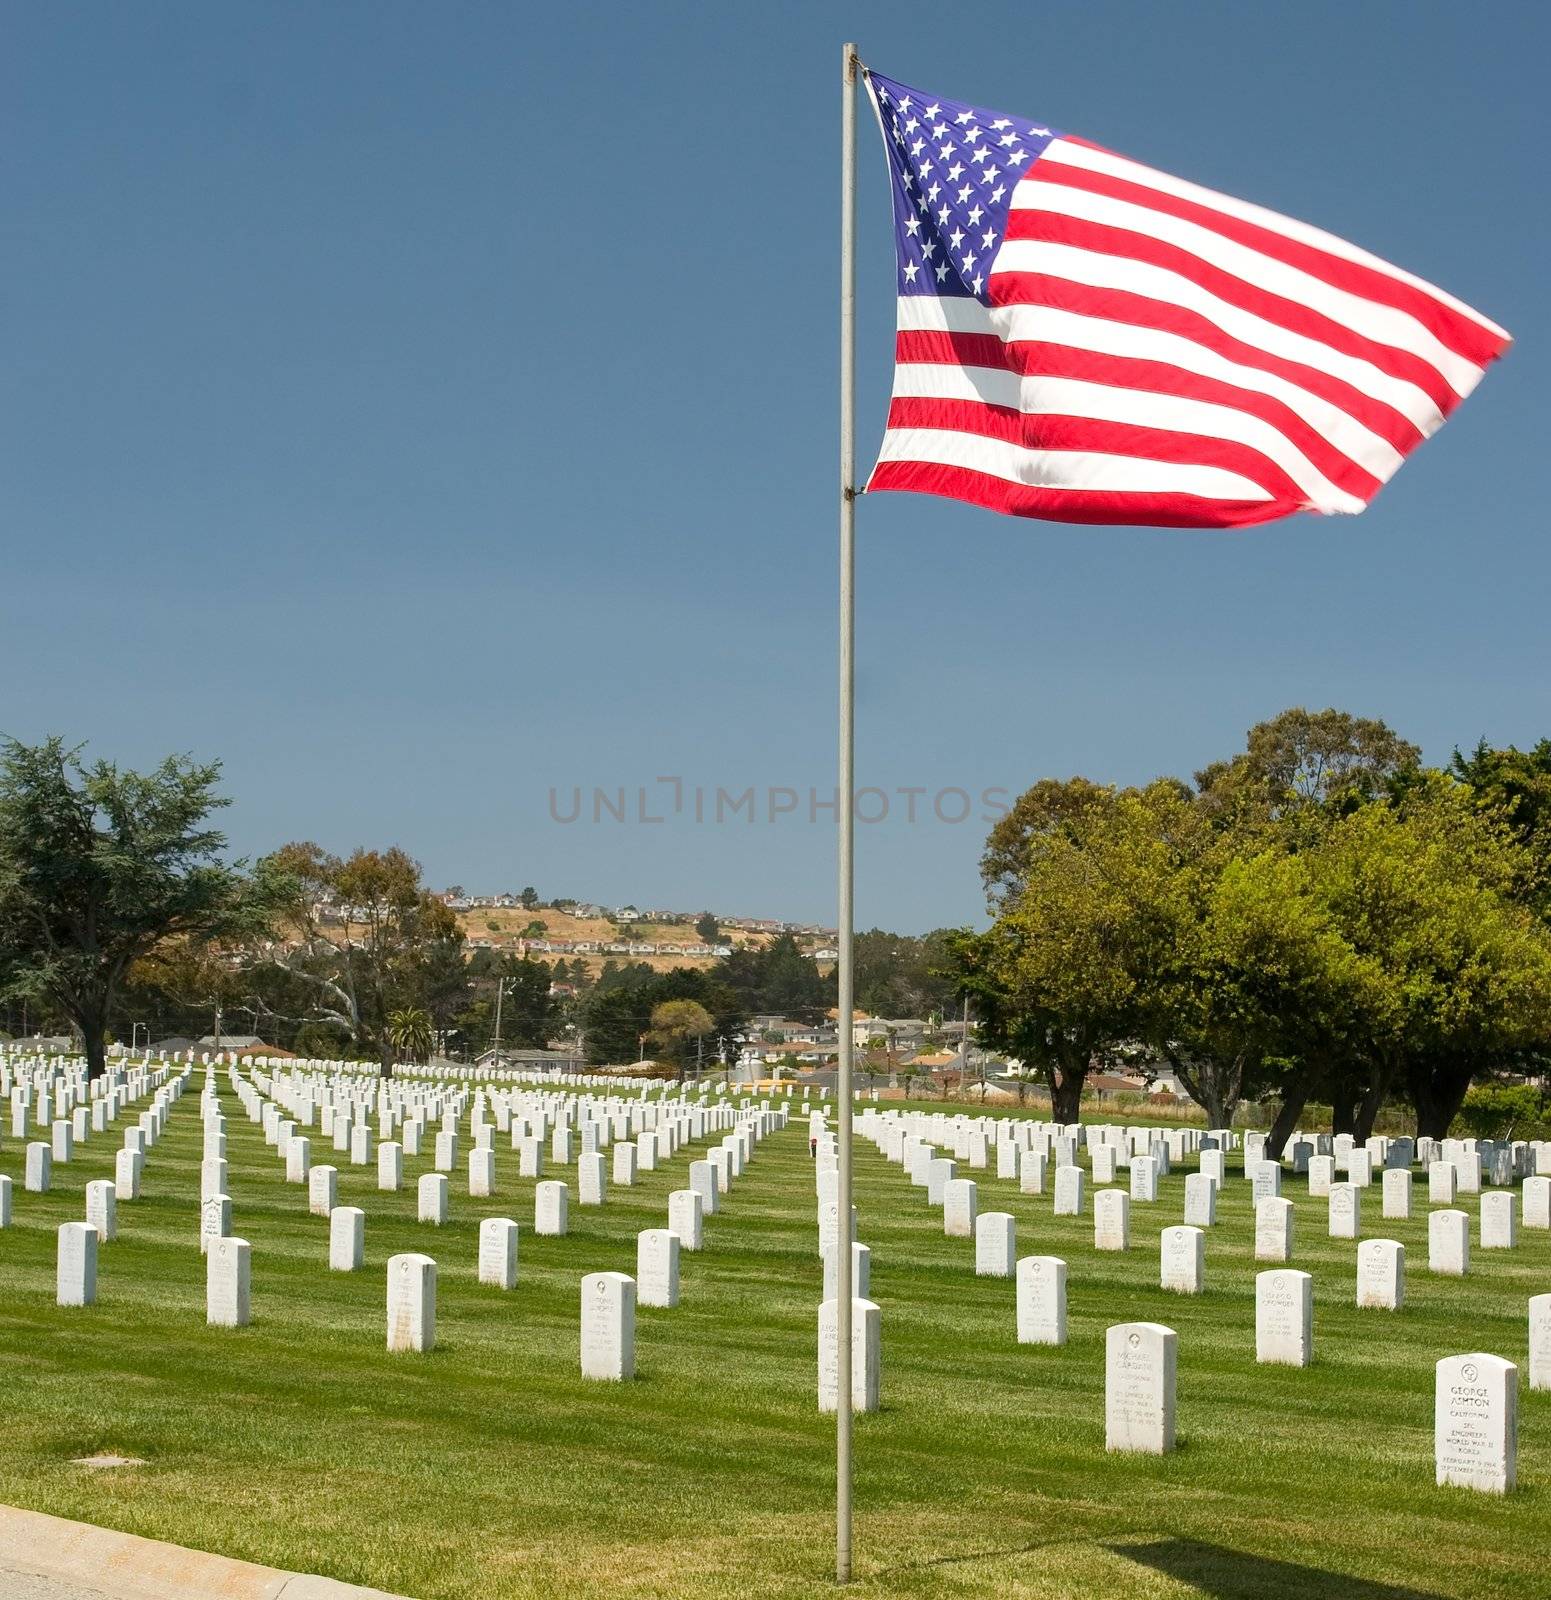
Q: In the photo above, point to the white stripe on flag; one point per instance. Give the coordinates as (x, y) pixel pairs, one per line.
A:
(1065, 469)
(1100, 402)
(1080, 155)
(925, 313)
(1099, 271)
(1381, 323)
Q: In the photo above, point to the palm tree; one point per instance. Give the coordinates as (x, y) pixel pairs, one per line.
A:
(409, 1032)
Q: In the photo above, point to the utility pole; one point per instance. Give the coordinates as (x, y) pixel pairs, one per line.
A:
(500, 994)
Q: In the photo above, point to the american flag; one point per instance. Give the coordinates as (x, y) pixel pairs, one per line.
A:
(1086, 339)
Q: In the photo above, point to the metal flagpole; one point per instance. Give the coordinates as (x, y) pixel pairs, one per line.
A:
(844, 811)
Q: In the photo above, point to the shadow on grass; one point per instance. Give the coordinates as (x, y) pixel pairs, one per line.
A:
(1234, 1575)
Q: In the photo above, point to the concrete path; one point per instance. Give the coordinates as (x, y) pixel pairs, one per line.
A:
(51, 1558)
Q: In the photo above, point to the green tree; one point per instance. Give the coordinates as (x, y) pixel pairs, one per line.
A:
(779, 980)
(529, 899)
(1517, 784)
(363, 934)
(1311, 761)
(99, 865)
(904, 975)
(1055, 978)
(676, 1024)
(409, 1032)
(708, 929)
(1435, 890)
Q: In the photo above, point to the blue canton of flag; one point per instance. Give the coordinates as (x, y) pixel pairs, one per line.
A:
(954, 168)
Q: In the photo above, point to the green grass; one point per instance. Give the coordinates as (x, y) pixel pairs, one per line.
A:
(489, 1468)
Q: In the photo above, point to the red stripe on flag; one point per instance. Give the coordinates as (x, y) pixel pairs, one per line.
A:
(1461, 334)
(1122, 306)
(1054, 432)
(1105, 239)
(1069, 505)
(1063, 361)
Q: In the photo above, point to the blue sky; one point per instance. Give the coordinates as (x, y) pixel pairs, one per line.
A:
(427, 408)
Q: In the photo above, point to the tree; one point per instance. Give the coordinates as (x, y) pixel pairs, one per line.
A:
(903, 975)
(1311, 760)
(708, 929)
(778, 980)
(529, 899)
(99, 865)
(1047, 808)
(1434, 891)
(1517, 784)
(409, 1031)
(363, 934)
(675, 1023)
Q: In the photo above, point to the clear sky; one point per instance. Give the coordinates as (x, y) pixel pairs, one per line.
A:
(425, 408)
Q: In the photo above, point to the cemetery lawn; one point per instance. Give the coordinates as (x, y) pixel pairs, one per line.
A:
(488, 1468)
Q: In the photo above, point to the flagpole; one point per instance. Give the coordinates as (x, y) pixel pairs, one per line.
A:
(845, 810)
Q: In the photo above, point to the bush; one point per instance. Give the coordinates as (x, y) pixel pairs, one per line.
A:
(1501, 1111)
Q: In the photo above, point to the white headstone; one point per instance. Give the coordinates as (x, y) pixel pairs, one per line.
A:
(40, 1167)
(481, 1172)
(866, 1355)
(1139, 1376)
(390, 1167)
(1182, 1260)
(127, 1166)
(551, 1208)
(1112, 1219)
(861, 1273)
(412, 1301)
(591, 1183)
(102, 1209)
(624, 1165)
(608, 1326)
(322, 1190)
(1031, 1172)
(1041, 1300)
(657, 1266)
(1346, 1211)
(1322, 1173)
(347, 1238)
(1540, 1342)
(685, 1218)
(702, 1179)
(995, 1245)
(75, 1277)
(959, 1201)
(1284, 1317)
(228, 1282)
(498, 1252)
(215, 1220)
(1069, 1192)
(1274, 1230)
(940, 1172)
(1397, 1194)
(432, 1195)
(1442, 1183)
(1381, 1273)
(1448, 1243)
(1537, 1202)
(1200, 1200)
(1144, 1180)
(1476, 1422)
(1499, 1221)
